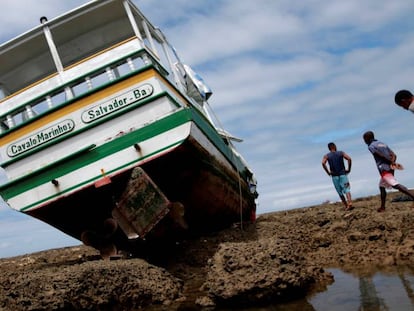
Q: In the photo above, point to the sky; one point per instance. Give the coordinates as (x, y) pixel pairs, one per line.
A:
(288, 77)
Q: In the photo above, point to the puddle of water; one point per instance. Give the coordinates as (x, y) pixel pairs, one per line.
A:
(392, 290)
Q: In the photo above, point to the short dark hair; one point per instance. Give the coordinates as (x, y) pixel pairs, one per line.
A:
(402, 94)
(368, 137)
(331, 145)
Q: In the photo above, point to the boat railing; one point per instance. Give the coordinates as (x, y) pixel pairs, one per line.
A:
(77, 88)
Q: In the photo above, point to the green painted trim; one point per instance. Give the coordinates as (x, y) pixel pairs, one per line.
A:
(55, 170)
(206, 127)
(67, 158)
(97, 177)
(60, 168)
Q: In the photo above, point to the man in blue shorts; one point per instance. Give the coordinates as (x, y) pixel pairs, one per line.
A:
(338, 173)
(385, 160)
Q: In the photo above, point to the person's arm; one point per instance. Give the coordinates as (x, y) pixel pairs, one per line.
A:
(324, 160)
(393, 157)
(349, 160)
(388, 158)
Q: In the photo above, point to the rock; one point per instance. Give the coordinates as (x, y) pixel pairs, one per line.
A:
(205, 302)
(100, 284)
(279, 258)
(254, 272)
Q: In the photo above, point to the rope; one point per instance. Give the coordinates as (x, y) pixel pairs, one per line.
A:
(238, 172)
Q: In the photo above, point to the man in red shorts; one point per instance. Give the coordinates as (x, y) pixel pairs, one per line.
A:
(385, 160)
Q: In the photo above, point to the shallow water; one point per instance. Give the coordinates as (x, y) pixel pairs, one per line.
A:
(391, 290)
(387, 290)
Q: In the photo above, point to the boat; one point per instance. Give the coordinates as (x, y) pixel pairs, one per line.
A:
(108, 136)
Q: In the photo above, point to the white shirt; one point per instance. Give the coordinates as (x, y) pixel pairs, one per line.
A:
(411, 107)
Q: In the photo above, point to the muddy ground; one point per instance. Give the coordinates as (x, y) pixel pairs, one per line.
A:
(281, 257)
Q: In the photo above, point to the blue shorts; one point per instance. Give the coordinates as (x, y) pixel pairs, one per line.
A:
(341, 184)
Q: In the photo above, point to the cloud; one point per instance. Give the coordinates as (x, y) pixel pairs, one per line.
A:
(21, 16)
(330, 76)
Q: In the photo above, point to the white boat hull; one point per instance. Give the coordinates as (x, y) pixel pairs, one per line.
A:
(73, 141)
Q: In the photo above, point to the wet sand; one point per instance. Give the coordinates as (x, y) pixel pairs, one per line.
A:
(282, 257)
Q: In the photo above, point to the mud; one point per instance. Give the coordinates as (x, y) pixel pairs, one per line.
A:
(281, 257)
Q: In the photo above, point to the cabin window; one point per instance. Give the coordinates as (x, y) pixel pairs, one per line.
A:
(41, 107)
(28, 113)
(137, 62)
(82, 87)
(3, 126)
(99, 79)
(59, 98)
(15, 119)
(110, 73)
(122, 69)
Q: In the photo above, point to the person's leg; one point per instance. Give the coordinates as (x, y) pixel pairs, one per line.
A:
(343, 200)
(349, 200)
(337, 183)
(383, 194)
(404, 190)
(346, 189)
(387, 181)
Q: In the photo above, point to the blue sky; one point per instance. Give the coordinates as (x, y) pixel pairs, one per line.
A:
(288, 77)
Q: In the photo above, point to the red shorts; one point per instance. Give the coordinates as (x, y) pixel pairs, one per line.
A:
(388, 180)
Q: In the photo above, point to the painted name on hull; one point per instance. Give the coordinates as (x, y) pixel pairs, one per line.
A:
(96, 112)
(40, 138)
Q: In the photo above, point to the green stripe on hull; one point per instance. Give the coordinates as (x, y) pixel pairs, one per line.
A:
(58, 169)
(54, 171)
(93, 179)
(217, 140)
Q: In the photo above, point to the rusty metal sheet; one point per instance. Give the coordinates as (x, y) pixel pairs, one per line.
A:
(141, 206)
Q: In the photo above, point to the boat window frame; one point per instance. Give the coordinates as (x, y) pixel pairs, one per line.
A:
(58, 92)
